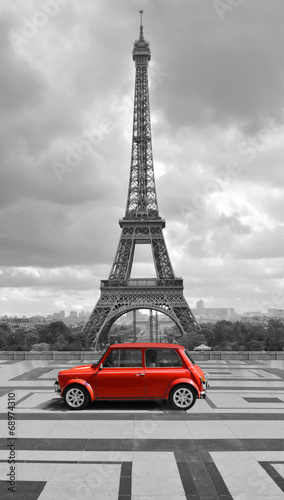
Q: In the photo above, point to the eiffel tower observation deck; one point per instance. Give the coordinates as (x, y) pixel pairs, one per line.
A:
(141, 224)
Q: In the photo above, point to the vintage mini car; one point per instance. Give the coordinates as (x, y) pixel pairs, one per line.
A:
(135, 372)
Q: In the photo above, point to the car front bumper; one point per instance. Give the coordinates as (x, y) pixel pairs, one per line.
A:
(56, 387)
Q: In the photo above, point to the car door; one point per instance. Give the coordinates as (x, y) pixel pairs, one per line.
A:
(122, 375)
(162, 367)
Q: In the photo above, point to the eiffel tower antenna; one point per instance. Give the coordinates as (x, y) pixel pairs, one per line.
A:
(141, 224)
(141, 23)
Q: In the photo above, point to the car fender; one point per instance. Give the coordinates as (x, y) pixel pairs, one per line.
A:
(183, 381)
(80, 381)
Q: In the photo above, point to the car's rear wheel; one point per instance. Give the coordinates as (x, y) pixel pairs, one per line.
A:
(182, 397)
(76, 397)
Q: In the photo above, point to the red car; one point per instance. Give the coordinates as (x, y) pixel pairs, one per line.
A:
(135, 372)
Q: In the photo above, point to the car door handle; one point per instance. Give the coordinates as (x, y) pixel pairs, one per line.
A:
(140, 374)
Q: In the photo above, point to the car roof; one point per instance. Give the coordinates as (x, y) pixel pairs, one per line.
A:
(147, 345)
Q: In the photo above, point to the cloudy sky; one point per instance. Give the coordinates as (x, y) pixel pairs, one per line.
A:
(217, 107)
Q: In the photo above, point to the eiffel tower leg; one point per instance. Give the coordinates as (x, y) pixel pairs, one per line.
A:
(122, 264)
(160, 255)
(95, 324)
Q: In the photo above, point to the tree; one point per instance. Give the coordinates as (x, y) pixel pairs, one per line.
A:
(51, 333)
(76, 345)
(15, 340)
(5, 332)
(61, 344)
(255, 345)
(193, 340)
(274, 335)
(42, 346)
(32, 337)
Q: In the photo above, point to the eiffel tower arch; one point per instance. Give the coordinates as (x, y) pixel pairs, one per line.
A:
(141, 225)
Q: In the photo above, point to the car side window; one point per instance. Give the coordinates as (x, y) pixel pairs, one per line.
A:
(162, 358)
(124, 358)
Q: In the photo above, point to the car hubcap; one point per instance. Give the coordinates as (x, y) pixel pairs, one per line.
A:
(183, 397)
(75, 398)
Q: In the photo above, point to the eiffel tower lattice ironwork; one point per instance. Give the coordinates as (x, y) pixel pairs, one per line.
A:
(140, 225)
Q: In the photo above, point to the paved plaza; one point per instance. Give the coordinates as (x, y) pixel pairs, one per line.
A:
(229, 446)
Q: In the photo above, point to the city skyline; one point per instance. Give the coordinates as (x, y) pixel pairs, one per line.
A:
(217, 108)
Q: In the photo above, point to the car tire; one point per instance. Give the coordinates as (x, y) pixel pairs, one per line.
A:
(182, 397)
(76, 397)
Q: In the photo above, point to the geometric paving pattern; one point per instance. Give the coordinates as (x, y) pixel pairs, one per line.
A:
(228, 446)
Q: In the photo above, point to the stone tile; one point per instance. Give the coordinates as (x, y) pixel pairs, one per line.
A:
(244, 477)
(110, 429)
(228, 401)
(156, 456)
(159, 497)
(279, 468)
(158, 429)
(167, 486)
(33, 400)
(210, 430)
(154, 469)
(106, 456)
(256, 429)
(268, 456)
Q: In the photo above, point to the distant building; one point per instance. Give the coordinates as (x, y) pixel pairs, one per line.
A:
(203, 313)
(200, 305)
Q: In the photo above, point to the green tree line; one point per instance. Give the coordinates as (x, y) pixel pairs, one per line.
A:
(239, 336)
(221, 336)
(55, 336)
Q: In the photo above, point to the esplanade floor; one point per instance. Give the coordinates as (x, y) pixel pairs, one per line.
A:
(229, 446)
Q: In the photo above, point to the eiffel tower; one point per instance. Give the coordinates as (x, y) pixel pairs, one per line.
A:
(140, 225)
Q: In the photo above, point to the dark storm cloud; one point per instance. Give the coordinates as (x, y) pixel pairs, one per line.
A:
(228, 72)
(66, 107)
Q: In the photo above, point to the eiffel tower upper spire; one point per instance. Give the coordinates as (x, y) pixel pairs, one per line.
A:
(142, 198)
(141, 25)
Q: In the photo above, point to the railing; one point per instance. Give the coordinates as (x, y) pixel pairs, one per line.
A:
(142, 283)
(93, 356)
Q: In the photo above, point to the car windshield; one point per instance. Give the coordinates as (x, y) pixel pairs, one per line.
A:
(96, 363)
(190, 357)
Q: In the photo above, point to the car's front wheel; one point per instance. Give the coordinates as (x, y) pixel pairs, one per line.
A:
(182, 397)
(76, 397)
